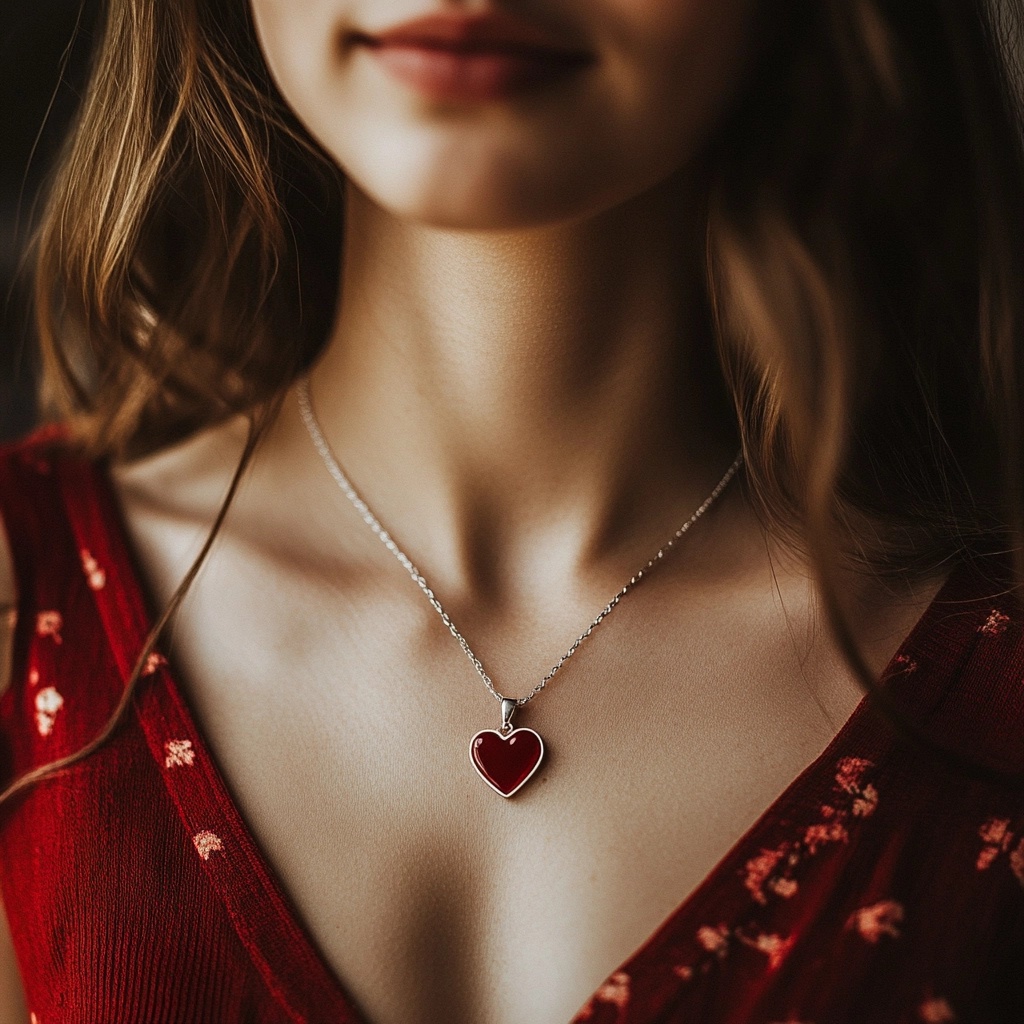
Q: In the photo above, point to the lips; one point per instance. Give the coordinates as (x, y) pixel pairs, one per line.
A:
(471, 58)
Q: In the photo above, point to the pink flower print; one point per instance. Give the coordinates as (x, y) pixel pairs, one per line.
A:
(773, 946)
(819, 835)
(784, 887)
(849, 771)
(996, 831)
(207, 843)
(33, 1019)
(153, 662)
(759, 870)
(48, 702)
(615, 990)
(865, 802)
(883, 918)
(986, 857)
(996, 836)
(1017, 862)
(178, 754)
(904, 664)
(995, 624)
(936, 1011)
(50, 623)
(95, 576)
(683, 972)
(714, 940)
(33, 677)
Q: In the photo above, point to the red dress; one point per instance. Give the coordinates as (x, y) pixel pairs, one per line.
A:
(882, 887)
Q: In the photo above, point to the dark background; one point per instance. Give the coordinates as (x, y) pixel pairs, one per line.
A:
(37, 39)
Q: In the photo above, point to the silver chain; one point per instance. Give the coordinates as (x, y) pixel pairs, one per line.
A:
(334, 468)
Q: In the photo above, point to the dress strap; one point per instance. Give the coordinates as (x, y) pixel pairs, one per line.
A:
(47, 570)
(96, 591)
(62, 690)
(32, 514)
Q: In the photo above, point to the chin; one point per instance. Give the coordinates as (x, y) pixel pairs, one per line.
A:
(471, 208)
(499, 194)
(462, 189)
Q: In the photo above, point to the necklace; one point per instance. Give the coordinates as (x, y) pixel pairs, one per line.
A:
(505, 758)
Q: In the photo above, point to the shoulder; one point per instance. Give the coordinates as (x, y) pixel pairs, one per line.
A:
(168, 501)
(21, 463)
(44, 477)
(185, 481)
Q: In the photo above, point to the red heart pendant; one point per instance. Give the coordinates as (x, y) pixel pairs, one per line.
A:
(506, 763)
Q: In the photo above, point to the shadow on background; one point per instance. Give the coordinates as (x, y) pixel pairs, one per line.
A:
(44, 56)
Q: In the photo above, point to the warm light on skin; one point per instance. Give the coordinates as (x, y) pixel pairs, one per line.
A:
(662, 71)
(534, 363)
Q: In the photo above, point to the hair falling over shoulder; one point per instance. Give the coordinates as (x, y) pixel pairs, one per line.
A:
(865, 260)
(187, 260)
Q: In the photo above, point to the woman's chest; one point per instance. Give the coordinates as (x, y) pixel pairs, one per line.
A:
(345, 740)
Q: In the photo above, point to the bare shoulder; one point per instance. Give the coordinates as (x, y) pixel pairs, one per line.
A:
(170, 499)
(8, 604)
(185, 480)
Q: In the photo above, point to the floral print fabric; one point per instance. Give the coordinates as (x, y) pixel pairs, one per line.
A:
(865, 893)
(885, 885)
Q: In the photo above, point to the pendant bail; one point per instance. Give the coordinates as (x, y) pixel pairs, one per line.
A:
(508, 707)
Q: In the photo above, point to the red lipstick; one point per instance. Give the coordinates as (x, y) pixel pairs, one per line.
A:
(471, 58)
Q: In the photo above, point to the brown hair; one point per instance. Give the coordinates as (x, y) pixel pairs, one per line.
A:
(865, 262)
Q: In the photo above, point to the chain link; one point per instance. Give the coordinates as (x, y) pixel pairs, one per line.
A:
(334, 468)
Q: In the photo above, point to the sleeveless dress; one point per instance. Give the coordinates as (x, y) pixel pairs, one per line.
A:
(883, 886)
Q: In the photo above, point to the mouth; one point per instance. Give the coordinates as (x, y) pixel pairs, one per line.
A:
(471, 58)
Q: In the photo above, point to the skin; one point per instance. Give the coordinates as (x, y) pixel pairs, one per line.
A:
(519, 385)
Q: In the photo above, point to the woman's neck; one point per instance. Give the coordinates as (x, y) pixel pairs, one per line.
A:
(542, 394)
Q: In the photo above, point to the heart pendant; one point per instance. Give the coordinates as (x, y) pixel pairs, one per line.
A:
(506, 763)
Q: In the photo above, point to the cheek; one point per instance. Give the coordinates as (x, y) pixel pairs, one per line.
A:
(298, 41)
(668, 68)
(674, 58)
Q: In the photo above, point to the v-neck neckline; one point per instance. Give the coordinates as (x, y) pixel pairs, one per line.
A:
(281, 945)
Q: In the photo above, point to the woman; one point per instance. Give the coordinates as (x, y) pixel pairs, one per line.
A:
(590, 251)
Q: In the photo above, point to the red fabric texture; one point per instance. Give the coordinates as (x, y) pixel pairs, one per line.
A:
(884, 886)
